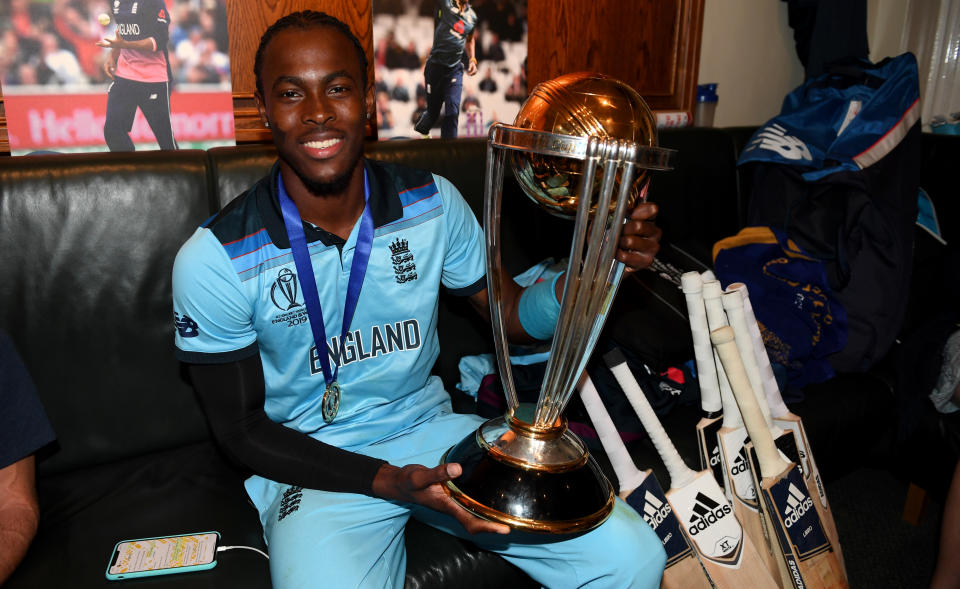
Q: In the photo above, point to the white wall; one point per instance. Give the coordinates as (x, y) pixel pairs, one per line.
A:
(748, 50)
(885, 20)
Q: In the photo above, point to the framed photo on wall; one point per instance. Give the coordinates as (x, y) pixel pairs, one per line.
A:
(115, 75)
(448, 68)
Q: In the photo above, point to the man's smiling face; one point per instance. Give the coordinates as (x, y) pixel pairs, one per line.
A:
(314, 100)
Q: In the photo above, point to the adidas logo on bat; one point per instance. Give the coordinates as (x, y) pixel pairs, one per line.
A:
(654, 510)
(715, 456)
(739, 465)
(706, 512)
(798, 503)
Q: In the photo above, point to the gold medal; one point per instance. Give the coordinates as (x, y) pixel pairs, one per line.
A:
(331, 401)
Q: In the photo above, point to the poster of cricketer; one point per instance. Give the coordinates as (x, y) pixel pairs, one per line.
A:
(115, 75)
(448, 68)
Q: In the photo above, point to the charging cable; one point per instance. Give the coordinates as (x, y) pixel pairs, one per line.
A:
(257, 550)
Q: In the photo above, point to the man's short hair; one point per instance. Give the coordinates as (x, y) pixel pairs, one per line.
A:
(306, 19)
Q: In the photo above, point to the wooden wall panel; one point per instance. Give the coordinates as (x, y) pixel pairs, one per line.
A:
(652, 45)
(248, 19)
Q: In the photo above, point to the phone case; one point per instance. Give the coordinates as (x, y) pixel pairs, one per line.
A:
(165, 570)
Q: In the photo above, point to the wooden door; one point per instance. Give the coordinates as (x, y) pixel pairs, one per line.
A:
(653, 45)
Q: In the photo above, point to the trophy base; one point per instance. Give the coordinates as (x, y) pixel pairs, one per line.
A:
(532, 479)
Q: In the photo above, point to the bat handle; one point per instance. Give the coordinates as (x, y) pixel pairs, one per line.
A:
(716, 318)
(628, 475)
(771, 464)
(733, 305)
(777, 407)
(680, 473)
(692, 286)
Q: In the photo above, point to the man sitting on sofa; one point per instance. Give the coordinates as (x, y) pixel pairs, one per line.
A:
(311, 351)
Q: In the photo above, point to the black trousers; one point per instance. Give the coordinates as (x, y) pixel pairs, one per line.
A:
(123, 98)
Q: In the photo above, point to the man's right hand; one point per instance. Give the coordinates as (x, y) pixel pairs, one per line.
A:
(424, 486)
(110, 66)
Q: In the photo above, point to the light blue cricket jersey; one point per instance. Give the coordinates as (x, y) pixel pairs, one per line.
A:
(236, 293)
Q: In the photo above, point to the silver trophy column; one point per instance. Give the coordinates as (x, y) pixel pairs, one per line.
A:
(526, 469)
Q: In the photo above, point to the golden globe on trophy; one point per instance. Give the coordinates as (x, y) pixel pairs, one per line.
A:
(580, 147)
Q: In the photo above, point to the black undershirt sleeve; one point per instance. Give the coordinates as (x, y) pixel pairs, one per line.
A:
(232, 396)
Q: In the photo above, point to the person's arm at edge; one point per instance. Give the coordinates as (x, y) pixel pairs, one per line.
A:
(19, 513)
(946, 575)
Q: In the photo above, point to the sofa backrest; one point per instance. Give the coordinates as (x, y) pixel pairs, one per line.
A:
(699, 199)
(87, 242)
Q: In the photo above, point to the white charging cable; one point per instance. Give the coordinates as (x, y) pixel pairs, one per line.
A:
(257, 550)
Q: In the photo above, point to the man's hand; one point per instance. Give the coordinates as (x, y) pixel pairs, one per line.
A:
(117, 43)
(472, 67)
(110, 65)
(424, 486)
(114, 43)
(640, 239)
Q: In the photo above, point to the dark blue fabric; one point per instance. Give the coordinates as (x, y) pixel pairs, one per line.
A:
(807, 132)
(24, 427)
(444, 86)
(801, 319)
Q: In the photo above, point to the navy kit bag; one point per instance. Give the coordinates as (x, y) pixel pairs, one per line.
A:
(837, 173)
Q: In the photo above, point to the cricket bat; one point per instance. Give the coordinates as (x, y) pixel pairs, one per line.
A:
(733, 306)
(788, 507)
(783, 417)
(692, 285)
(740, 482)
(717, 318)
(641, 490)
(727, 554)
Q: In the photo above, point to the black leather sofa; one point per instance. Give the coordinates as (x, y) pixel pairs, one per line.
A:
(87, 243)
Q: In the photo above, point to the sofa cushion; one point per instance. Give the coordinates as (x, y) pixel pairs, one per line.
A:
(87, 244)
(183, 490)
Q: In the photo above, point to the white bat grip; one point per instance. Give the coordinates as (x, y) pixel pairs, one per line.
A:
(702, 349)
(777, 407)
(771, 464)
(716, 319)
(733, 304)
(680, 473)
(628, 475)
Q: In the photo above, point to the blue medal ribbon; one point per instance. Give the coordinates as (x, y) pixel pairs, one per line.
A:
(308, 284)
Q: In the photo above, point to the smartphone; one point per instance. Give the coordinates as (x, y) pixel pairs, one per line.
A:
(163, 555)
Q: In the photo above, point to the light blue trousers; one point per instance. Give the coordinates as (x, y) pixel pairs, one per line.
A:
(334, 540)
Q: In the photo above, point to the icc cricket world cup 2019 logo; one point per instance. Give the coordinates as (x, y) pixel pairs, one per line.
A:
(283, 293)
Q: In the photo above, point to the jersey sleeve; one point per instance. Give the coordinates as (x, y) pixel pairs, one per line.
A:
(156, 22)
(212, 315)
(464, 264)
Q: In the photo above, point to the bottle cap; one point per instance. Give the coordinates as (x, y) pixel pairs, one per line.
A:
(707, 93)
